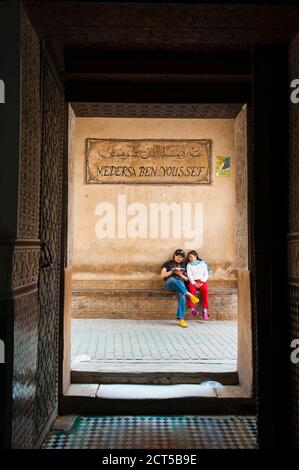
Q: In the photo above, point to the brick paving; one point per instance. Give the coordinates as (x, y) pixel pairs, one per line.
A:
(154, 341)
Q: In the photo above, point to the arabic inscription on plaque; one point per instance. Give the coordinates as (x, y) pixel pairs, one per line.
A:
(154, 161)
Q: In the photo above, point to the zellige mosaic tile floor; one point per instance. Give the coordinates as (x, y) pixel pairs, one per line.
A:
(156, 432)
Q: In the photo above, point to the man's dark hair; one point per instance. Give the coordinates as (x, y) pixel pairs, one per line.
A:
(179, 252)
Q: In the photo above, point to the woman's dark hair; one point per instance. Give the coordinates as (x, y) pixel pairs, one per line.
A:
(193, 252)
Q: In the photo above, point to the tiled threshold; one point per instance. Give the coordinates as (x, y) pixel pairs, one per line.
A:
(153, 392)
(229, 431)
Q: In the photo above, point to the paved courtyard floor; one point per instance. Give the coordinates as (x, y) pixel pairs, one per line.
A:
(118, 343)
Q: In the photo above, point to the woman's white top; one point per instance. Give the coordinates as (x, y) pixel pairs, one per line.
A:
(197, 272)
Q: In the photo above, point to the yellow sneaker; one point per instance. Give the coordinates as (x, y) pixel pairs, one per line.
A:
(194, 299)
(183, 323)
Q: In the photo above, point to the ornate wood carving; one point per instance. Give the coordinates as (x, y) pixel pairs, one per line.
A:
(241, 190)
(294, 141)
(29, 181)
(158, 110)
(21, 257)
(293, 258)
(19, 264)
(25, 266)
(25, 366)
(156, 26)
(70, 178)
(53, 128)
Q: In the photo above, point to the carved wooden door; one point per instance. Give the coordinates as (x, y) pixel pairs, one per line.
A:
(51, 233)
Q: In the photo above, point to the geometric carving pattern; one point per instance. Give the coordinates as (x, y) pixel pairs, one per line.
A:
(22, 256)
(251, 252)
(24, 374)
(53, 115)
(294, 141)
(25, 266)
(36, 312)
(151, 26)
(241, 190)
(28, 216)
(70, 179)
(19, 264)
(293, 258)
(158, 110)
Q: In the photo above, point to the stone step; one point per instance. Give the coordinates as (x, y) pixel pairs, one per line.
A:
(153, 373)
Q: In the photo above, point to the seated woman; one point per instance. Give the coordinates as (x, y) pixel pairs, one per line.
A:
(174, 274)
(198, 274)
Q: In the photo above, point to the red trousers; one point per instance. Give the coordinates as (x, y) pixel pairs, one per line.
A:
(204, 292)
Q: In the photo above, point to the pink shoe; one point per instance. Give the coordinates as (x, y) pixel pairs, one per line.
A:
(205, 314)
(194, 312)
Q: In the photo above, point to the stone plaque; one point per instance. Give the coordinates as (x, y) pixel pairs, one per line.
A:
(152, 161)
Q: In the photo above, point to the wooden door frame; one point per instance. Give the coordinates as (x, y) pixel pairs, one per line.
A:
(264, 344)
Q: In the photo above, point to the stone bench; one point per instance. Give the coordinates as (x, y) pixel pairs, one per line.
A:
(146, 300)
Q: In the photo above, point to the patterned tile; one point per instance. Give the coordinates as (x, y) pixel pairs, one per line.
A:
(157, 432)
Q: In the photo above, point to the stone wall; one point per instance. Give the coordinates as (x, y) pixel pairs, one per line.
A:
(132, 300)
(111, 263)
(127, 258)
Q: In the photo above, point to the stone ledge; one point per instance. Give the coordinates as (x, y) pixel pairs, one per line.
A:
(157, 292)
(137, 284)
(146, 299)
